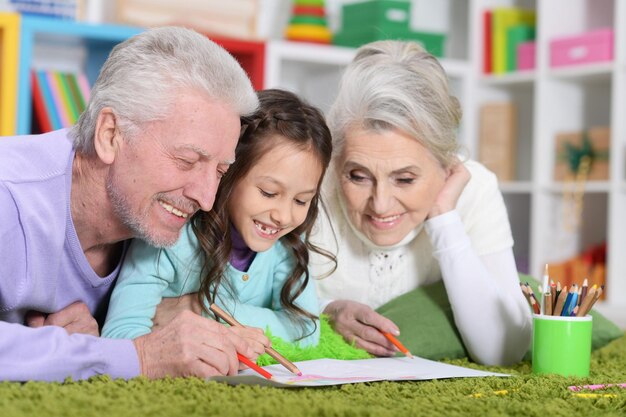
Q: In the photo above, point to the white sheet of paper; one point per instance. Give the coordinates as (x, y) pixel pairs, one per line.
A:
(323, 372)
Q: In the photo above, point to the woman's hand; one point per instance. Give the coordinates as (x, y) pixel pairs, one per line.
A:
(458, 177)
(359, 323)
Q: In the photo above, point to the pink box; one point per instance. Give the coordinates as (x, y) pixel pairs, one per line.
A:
(592, 46)
(526, 56)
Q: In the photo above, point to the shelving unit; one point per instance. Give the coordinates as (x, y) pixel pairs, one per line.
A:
(548, 101)
(564, 99)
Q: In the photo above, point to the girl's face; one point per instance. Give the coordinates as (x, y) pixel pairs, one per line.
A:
(274, 197)
(390, 182)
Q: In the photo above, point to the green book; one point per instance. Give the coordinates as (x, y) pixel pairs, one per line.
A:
(68, 99)
(76, 94)
(514, 36)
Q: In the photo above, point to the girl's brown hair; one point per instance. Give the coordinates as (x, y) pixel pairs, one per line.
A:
(282, 118)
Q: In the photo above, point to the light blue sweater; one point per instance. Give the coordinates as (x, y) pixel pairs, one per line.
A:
(149, 274)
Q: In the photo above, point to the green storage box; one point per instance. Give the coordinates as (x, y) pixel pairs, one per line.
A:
(432, 42)
(376, 14)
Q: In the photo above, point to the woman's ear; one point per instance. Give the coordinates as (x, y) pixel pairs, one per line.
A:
(106, 140)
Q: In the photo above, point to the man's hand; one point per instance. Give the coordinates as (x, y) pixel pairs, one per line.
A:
(170, 307)
(191, 345)
(75, 318)
(359, 323)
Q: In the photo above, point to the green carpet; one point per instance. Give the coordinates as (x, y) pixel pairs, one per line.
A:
(526, 395)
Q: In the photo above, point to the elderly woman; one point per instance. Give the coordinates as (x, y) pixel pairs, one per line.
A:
(403, 211)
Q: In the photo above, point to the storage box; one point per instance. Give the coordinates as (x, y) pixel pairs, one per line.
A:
(571, 146)
(432, 42)
(526, 56)
(515, 36)
(376, 20)
(585, 48)
(376, 14)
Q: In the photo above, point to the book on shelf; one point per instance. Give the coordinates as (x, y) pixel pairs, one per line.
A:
(232, 18)
(515, 36)
(498, 138)
(504, 18)
(58, 98)
(62, 9)
(487, 42)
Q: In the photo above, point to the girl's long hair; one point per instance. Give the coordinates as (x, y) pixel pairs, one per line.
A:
(282, 118)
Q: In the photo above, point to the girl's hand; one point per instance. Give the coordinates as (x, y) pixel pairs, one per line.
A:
(171, 307)
(360, 324)
(458, 177)
(254, 337)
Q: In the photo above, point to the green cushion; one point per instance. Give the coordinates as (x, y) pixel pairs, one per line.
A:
(426, 323)
(427, 327)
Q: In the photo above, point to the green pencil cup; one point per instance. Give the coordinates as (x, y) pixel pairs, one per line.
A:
(561, 345)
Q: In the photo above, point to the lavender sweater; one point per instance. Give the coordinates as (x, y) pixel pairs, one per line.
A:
(43, 268)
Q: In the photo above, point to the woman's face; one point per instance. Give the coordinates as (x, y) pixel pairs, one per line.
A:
(389, 181)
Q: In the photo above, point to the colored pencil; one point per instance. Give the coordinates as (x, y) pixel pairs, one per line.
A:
(586, 304)
(534, 304)
(547, 302)
(397, 344)
(523, 288)
(253, 366)
(558, 307)
(270, 351)
(544, 288)
(568, 299)
(583, 291)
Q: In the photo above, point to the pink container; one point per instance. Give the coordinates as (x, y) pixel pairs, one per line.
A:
(584, 48)
(526, 56)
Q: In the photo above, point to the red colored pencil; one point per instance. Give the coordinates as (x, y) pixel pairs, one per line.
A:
(254, 366)
(397, 344)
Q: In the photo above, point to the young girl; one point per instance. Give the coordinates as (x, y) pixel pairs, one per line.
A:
(249, 255)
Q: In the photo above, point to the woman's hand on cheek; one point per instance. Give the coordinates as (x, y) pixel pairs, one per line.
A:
(360, 324)
(457, 179)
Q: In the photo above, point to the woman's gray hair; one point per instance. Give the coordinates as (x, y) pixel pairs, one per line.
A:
(397, 85)
(143, 75)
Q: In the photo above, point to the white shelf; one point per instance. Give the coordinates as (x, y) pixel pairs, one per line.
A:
(584, 73)
(522, 78)
(516, 187)
(590, 187)
(309, 53)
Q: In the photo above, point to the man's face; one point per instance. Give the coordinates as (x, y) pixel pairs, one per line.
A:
(172, 168)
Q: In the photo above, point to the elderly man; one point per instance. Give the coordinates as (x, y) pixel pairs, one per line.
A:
(148, 152)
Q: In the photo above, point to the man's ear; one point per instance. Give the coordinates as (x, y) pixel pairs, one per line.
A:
(106, 138)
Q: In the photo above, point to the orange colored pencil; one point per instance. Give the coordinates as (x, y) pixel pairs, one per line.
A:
(397, 344)
(253, 366)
